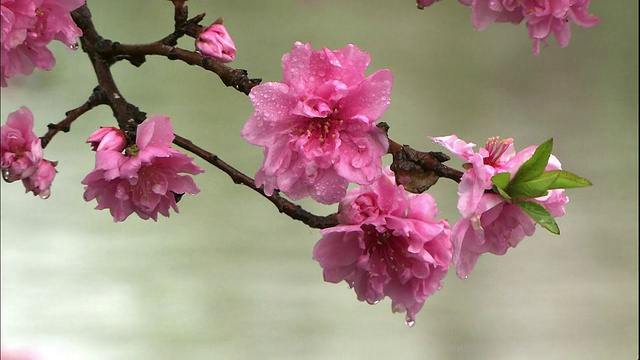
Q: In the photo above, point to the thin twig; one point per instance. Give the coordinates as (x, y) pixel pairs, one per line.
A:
(97, 98)
(284, 206)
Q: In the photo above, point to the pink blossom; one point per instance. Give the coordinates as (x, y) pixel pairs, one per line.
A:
(146, 178)
(28, 26)
(40, 181)
(317, 126)
(388, 243)
(486, 12)
(546, 17)
(216, 42)
(21, 148)
(489, 222)
(22, 155)
(107, 138)
(543, 17)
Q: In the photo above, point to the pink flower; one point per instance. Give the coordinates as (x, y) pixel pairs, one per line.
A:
(21, 148)
(489, 222)
(543, 17)
(107, 138)
(22, 155)
(486, 12)
(216, 42)
(28, 26)
(388, 243)
(146, 179)
(40, 181)
(317, 126)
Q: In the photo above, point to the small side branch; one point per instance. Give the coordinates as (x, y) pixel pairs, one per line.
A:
(96, 98)
(284, 206)
(235, 78)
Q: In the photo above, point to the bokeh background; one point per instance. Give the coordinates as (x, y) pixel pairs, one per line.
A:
(231, 278)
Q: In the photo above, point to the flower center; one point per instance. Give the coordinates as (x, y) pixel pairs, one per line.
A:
(496, 148)
(385, 249)
(320, 130)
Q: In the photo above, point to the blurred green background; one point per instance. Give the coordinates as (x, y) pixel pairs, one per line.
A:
(231, 278)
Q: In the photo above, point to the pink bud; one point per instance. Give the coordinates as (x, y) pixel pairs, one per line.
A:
(107, 138)
(216, 42)
(425, 3)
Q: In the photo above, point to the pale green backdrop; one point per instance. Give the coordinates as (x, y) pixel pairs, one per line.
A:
(231, 278)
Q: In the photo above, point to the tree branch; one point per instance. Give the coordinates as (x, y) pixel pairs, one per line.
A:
(284, 206)
(416, 170)
(97, 98)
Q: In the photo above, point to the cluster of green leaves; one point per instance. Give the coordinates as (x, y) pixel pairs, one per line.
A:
(531, 181)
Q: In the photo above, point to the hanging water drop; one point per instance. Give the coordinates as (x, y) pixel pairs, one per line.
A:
(73, 46)
(5, 175)
(373, 302)
(409, 321)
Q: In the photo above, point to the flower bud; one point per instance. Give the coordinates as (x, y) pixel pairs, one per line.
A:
(425, 3)
(216, 42)
(107, 138)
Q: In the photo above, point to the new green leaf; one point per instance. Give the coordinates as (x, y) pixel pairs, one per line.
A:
(565, 180)
(534, 167)
(540, 215)
(531, 189)
(501, 180)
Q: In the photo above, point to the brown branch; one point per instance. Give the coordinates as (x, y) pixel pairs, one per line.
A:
(128, 116)
(97, 98)
(284, 206)
(236, 78)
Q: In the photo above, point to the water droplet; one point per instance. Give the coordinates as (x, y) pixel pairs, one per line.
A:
(73, 46)
(409, 321)
(45, 196)
(373, 302)
(5, 175)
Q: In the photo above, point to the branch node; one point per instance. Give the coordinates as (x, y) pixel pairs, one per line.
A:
(58, 127)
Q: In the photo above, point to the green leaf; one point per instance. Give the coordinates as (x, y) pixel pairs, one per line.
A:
(501, 192)
(501, 180)
(565, 180)
(540, 215)
(531, 189)
(534, 167)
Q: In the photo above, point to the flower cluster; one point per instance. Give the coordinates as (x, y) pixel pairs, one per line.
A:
(22, 155)
(543, 17)
(28, 26)
(490, 222)
(317, 126)
(388, 243)
(145, 179)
